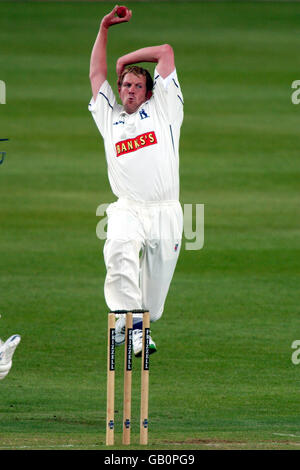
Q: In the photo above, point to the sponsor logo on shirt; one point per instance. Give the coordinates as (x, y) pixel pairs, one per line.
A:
(131, 145)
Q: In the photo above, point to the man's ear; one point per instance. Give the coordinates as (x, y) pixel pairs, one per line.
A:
(148, 94)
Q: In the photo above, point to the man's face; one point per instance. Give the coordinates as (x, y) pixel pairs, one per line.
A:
(133, 92)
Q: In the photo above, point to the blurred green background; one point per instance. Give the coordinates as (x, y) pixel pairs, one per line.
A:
(223, 375)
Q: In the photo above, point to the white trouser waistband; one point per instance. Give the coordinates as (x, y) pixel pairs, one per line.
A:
(126, 202)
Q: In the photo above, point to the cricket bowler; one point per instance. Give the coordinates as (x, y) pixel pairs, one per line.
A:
(141, 140)
(7, 349)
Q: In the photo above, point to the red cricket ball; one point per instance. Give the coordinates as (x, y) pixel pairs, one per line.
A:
(121, 12)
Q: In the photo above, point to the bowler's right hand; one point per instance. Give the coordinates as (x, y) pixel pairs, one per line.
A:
(111, 19)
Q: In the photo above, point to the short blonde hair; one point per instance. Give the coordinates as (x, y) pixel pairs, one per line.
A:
(136, 70)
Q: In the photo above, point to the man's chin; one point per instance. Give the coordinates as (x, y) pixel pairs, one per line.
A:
(130, 108)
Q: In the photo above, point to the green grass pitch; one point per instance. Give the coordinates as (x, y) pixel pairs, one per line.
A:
(222, 377)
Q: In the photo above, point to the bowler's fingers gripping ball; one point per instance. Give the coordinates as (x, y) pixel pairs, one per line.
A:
(121, 11)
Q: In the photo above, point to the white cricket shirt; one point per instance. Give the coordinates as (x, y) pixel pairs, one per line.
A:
(142, 148)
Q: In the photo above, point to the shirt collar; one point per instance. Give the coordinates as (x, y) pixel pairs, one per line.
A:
(124, 114)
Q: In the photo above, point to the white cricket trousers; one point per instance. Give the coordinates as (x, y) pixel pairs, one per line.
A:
(140, 253)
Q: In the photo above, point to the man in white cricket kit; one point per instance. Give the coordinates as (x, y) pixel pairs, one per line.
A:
(7, 349)
(141, 139)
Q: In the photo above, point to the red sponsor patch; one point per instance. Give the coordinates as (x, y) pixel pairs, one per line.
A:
(131, 145)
